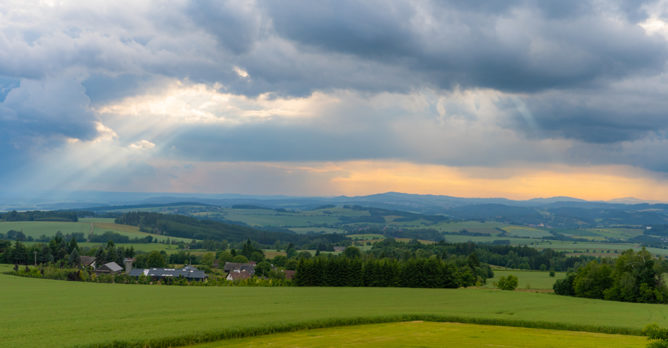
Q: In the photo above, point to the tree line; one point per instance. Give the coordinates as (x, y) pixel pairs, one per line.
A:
(431, 272)
(632, 277)
(38, 215)
(61, 252)
(79, 237)
(518, 257)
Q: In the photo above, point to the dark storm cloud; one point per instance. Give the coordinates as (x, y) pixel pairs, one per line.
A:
(519, 46)
(625, 111)
(236, 28)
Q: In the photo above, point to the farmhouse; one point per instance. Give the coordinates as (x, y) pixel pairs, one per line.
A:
(109, 268)
(87, 261)
(235, 266)
(239, 271)
(188, 272)
(238, 275)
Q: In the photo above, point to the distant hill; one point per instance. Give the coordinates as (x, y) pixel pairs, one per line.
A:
(554, 211)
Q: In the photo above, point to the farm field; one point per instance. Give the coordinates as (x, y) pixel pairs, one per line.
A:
(537, 280)
(304, 230)
(456, 238)
(596, 248)
(432, 334)
(305, 218)
(36, 229)
(143, 312)
(618, 233)
(366, 236)
(143, 247)
(528, 232)
(146, 247)
(487, 227)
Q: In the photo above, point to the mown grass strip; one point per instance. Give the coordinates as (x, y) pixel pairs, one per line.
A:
(224, 334)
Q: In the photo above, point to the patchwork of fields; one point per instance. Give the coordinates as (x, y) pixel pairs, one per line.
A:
(601, 241)
(66, 313)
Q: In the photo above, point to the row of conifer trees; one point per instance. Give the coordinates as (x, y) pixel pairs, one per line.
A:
(415, 273)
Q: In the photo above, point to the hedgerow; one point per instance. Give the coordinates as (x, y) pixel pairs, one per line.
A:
(224, 334)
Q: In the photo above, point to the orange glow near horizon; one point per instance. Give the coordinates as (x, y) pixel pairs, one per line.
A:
(357, 178)
(590, 183)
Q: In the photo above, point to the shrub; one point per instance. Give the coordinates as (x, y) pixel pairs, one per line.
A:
(507, 283)
(658, 337)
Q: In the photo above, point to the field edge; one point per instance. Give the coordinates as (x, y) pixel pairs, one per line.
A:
(212, 336)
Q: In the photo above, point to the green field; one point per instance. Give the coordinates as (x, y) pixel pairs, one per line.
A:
(618, 233)
(64, 313)
(596, 248)
(86, 226)
(304, 230)
(528, 232)
(528, 279)
(304, 218)
(366, 236)
(430, 334)
(455, 238)
(487, 227)
(36, 229)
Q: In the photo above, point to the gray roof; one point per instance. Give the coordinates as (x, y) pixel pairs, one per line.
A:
(188, 272)
(111, 266)
(86, 260)
(236, 266)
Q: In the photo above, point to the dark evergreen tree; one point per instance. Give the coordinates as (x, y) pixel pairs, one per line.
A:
(74, 259)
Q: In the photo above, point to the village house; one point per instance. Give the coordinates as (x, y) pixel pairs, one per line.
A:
(238, 275)
(87, 261)
(237, 266)
(239, 271)
(188, 272)
(109, 268)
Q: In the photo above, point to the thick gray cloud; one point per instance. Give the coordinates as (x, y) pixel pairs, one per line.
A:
(580, 73)
(521, 46)
(56, 107)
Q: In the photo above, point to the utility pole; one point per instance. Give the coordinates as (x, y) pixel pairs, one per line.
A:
(35, 252)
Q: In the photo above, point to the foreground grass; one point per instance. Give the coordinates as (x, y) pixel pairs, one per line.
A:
(39, 313)
(431, 334)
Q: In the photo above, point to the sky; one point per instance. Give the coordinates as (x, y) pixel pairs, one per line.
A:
(515, 99)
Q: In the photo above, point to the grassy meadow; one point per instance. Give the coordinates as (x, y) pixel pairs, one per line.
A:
(64, 313)
(536, 280)
(433, 334)
(86, 226)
